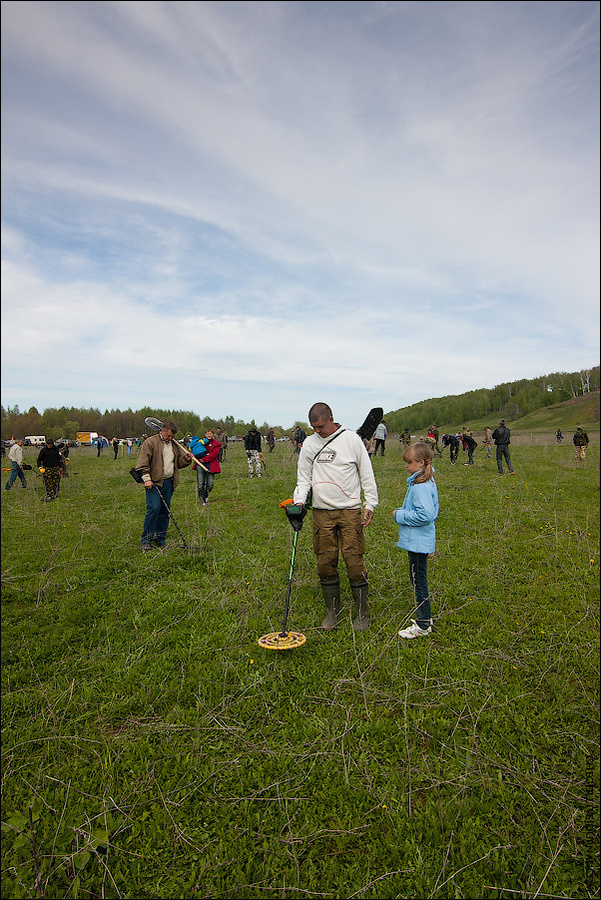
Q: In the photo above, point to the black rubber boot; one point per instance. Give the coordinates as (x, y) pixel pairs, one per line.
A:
(330, 588)
(360, 591)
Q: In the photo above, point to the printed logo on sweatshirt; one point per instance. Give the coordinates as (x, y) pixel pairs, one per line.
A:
(327, 456)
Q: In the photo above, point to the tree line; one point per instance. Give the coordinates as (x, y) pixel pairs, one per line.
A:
(67, 421)
(509, 401)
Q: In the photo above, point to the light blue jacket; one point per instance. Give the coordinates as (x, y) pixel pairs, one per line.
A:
(417, 515)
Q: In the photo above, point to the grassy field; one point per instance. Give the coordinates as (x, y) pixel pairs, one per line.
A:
(151, 749)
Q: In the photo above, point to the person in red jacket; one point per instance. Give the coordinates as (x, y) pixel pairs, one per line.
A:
(210, 461)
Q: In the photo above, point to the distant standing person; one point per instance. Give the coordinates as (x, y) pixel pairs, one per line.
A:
(221, 438)
(299, 437)
(380, 438)
(334, 466)
(488, 441)
(417, 532)
(15, 455)
(115, 444)
(581, 442)
(502, 437)
(558, 436)
(252, 445)
(271, 439)
(159, 463)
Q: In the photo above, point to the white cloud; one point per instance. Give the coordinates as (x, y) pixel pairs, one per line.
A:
(308, 191)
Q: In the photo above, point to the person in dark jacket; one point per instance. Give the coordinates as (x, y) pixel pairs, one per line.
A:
(501, 436)
(252, 445)
(581, 442)
(51, 464)
(452, 442)
(470, 444)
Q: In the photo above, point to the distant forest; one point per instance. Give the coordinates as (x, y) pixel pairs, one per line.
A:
(66, 422)
(510, 400)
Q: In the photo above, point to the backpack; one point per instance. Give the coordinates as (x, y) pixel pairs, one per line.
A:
(198, 446)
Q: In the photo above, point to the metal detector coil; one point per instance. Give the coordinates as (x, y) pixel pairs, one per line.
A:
(281, 641)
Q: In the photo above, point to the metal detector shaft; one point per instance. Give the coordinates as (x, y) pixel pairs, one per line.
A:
(294, 542)
(165, 504)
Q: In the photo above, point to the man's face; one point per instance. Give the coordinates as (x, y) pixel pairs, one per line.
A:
(167, 435)
(324, 427)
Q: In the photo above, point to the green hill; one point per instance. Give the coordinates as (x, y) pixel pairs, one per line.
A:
(578, 411)
(560, 400)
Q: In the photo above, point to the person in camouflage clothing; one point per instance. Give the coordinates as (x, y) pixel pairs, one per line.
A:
(581, 442)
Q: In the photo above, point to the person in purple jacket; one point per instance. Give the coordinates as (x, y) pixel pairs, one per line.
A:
(417, 531)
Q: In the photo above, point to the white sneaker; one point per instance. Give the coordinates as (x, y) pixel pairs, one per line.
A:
(415, 631)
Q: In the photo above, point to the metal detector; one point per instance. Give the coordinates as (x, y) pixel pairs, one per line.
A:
(284, 639)
(157, 425)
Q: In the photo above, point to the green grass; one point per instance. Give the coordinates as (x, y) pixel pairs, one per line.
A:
(151, 749)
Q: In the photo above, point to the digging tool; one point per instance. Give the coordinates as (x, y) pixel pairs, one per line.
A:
(284, 639)
(372, 420)
(157, 425)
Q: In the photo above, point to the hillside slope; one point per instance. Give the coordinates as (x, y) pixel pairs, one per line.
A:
(566, 415)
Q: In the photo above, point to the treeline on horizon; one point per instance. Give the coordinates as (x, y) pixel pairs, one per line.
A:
(510, 400)
(66, 422)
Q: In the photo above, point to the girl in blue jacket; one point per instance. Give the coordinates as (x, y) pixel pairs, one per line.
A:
(417, 531)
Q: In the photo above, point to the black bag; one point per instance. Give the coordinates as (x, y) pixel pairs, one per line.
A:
(136, 475)
(26, 467)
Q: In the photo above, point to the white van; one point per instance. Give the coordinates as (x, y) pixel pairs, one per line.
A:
(34, 440)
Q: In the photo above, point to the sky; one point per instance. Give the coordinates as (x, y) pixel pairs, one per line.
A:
(241, 208)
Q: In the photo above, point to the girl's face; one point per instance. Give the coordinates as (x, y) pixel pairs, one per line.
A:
(414, 466)
(209, 434)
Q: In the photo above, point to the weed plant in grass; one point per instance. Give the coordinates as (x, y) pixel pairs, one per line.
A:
(152, 750)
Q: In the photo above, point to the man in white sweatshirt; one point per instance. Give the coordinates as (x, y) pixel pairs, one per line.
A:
(335, 467)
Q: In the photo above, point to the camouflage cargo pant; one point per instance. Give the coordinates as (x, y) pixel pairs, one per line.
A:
(254, 460)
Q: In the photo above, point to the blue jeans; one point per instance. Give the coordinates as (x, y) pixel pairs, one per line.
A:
(156, 520)
(503, 451)
(205, 481)
(418, 572)
(15, 472)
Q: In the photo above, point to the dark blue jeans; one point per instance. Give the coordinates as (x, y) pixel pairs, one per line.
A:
(205, 481)
(503, 451)
(418, 572)
(15, 472)
(156, 520)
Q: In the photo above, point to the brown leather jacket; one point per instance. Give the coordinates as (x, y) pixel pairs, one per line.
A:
(150, 460)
